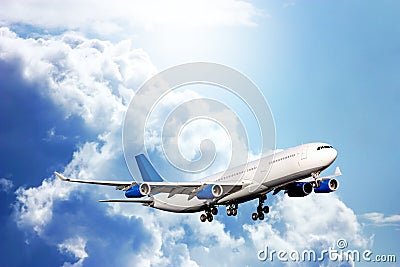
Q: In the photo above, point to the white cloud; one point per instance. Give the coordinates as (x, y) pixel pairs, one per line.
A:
(90, 79)
(215, 235)
(380, 219)
(34, 206)
(87, 78)
(195, 121)
(75, 246)
(6, 185)
(313, 222)
(181, 239)
(111, 17)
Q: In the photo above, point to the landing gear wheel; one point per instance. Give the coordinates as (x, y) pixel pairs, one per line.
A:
(203, 217)
(233, 206)
(259, 209)
(229, 212)
(210, 217)
(234, 212)
(266, 209)
(214, 211)
(231, 209)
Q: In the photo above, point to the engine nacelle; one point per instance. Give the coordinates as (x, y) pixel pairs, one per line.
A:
(210, 191)
(299, 189)
(138, 190)
(327, 186)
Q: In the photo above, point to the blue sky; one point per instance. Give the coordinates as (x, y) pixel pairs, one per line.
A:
(329, 71)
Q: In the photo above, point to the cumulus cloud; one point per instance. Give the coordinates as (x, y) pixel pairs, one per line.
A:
(313, 222)
(87, 78)
(93, 80)
(184, 240)
(110, 17)
(34, 205)
(75, 246)
(205, 133)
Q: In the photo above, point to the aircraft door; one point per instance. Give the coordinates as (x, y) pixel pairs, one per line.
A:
(304, 153)
(303, 158)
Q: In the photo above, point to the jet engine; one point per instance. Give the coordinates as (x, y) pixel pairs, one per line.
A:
(210, 191)
(138, 190)
(299, 189)
(327, 186)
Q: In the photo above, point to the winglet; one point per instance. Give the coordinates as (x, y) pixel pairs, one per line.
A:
(61, 177)
(149, 174)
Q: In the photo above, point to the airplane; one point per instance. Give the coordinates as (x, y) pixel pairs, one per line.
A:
(296, 171)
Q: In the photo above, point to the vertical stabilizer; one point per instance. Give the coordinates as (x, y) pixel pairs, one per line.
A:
(149, 174)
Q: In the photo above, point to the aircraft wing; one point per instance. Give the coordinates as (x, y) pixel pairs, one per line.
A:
(190, 188)
(172, 188)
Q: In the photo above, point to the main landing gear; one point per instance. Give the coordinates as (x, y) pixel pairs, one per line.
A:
(208, 214)
(260, 209)
(231, 209)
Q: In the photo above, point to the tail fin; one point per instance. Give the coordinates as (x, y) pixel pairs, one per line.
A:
(149, 174)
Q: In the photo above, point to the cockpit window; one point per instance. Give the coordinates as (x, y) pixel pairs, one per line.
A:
(322, 147)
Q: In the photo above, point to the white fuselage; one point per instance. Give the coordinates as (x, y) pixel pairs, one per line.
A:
(257, 177)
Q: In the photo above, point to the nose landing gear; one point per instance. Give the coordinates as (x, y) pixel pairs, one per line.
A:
(317, 181)
(260, 209)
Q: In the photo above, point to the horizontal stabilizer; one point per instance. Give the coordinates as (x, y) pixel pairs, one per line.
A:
(143, 201)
